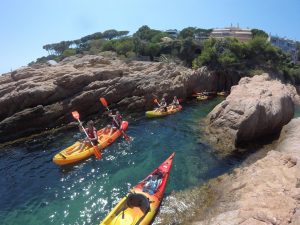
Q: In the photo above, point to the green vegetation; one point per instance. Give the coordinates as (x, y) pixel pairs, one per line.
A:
(192, 46)
(229, 55)
(145, 42)
(260, 33)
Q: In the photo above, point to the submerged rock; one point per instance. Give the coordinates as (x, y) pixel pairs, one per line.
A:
(35, 98)
(256, 107)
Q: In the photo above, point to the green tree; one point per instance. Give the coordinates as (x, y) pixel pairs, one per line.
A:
(122, 33)
(69, 52)
(109, 46)
(158, 36)
(188, 32)
(145, 33)
(258, 32)
(124, 46)
(110, 34)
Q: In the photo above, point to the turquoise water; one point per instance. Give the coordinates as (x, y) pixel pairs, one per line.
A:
(297, 111)
(35, 191)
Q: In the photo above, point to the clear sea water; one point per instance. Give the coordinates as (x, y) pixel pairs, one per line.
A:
(33, 190)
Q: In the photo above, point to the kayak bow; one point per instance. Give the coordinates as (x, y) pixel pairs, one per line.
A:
(140, 205)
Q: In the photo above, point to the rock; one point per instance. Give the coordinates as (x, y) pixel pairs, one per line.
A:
(256, 107)
(265, 192)
(38, 97)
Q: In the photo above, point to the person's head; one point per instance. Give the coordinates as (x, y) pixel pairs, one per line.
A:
(163, 99)
(90, 124)
(117, 113)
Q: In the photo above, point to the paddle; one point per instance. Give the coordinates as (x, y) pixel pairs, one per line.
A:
(156, 101)
(97, 153)
(104, 103)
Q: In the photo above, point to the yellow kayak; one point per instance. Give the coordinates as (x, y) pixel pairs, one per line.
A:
(68, 156)
(202, 97)
(141, 204)
(222, 93)
(154, 113)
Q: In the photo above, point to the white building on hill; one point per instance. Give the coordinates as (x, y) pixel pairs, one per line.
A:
(234, 32)
(286, 45)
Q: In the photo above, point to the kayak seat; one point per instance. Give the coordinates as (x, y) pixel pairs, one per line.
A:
(138, 200)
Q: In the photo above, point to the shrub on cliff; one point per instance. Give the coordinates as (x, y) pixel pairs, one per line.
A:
(232, 55)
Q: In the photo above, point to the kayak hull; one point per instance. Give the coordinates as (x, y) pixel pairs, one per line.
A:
(126, 214)
(65, 156)
(201, 98)
(153, 113)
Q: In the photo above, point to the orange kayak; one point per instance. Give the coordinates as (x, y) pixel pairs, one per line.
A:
(69, 156)
(142, 202)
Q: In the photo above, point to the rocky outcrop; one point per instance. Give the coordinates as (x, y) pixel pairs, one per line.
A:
(39, 97)
(256, 107)
(267, 191)
(264, 190)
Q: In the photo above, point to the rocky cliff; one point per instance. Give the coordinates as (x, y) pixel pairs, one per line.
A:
(266, 192)
(256, 107)
(39, 97)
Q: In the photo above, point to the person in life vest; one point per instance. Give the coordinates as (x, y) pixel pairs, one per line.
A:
(162, 105)
(175, 103)
(91, 139)
(116, 121)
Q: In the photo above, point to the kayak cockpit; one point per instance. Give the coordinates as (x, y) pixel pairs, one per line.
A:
(152, 182)
(133, 211)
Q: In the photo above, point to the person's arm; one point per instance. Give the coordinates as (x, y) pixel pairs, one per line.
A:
(110, 113)
(95, 136)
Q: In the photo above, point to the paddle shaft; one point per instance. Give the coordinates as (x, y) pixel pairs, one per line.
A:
(123, 132)
(104, 103)
(85, 132)
(114, 118)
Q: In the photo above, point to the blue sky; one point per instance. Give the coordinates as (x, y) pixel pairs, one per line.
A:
(27, 25)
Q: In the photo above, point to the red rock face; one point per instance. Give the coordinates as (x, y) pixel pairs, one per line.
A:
(42, 96)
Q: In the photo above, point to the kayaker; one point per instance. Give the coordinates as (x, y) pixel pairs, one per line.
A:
(175, 103)
(116, 121)
(162, 105)
(92, 137)
(107, 129)
(150, 185)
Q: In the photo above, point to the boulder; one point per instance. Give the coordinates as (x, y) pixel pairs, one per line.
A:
(265, 192)
(256, 107)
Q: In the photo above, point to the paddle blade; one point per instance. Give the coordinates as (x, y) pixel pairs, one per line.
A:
(126, 137)
(103, 101)
(75, 114)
